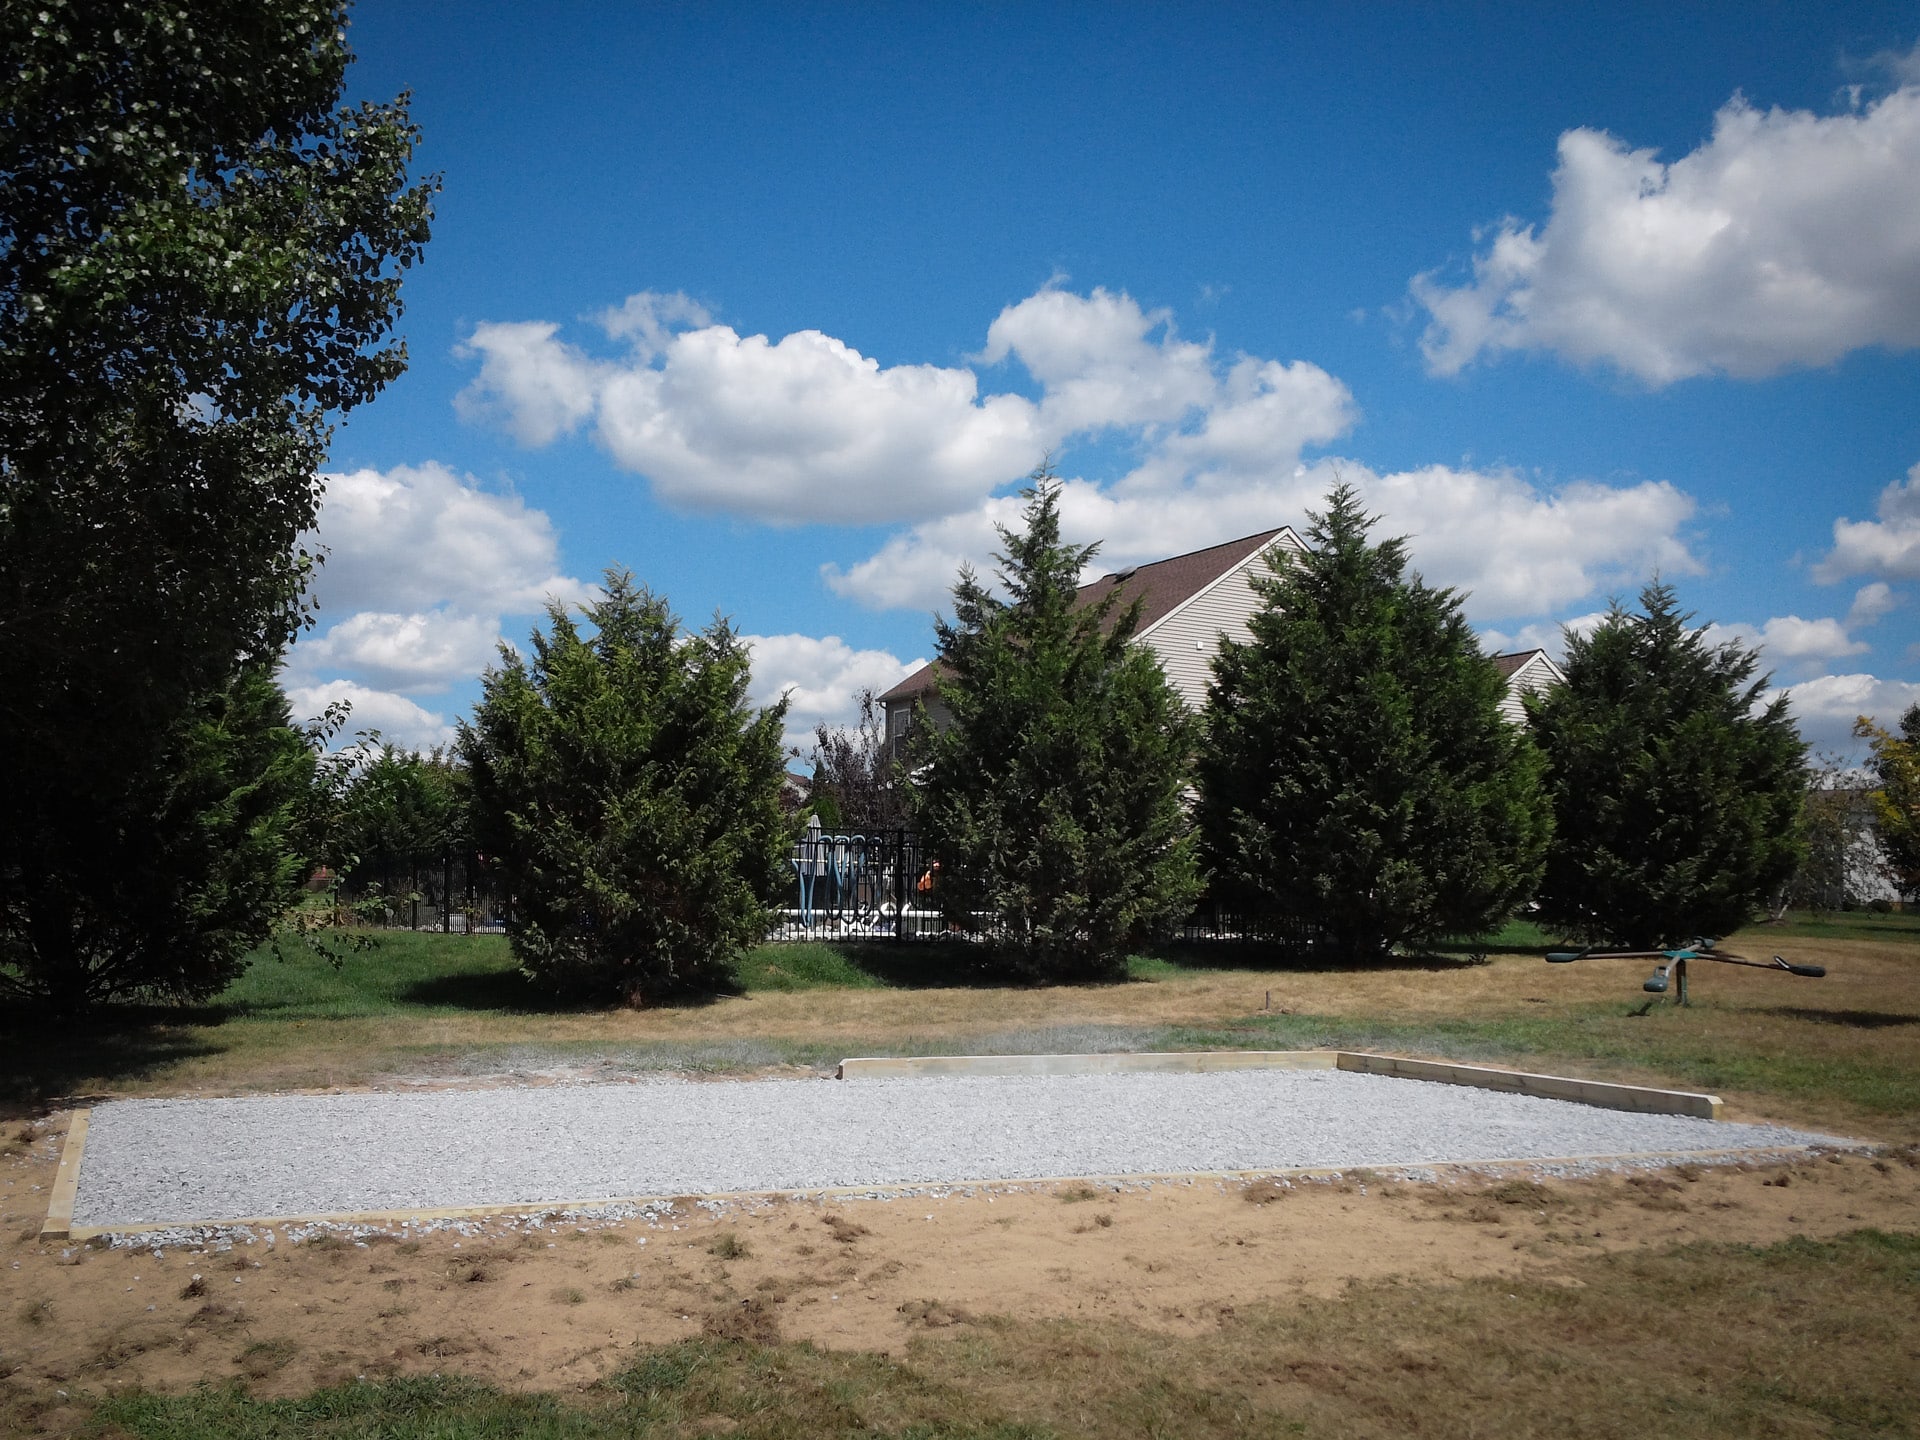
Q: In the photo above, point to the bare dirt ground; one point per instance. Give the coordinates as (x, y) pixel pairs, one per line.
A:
(556, 1307)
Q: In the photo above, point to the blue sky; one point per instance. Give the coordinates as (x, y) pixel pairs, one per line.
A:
(775, 306)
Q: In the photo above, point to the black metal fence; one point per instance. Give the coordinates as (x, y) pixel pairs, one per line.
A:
(839, 885)
(452, 891)
(852, 884)
(1215, 919)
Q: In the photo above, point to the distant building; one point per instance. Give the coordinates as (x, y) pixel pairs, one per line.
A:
(796, 792)
(1187, 603)
(1527, 672)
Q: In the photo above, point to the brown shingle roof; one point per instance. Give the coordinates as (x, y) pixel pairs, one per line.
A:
(1165, 585)
(1161, 587)
(917, 683)
(1508, 664)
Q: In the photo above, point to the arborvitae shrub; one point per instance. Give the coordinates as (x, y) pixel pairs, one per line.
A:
(631, 798)
(1358, 786)
(1053, 800)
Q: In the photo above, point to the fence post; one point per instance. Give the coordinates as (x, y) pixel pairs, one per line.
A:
(413, 893)
(446, 890)
(901, 886)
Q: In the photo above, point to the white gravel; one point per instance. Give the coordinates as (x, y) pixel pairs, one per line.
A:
(153, 1161)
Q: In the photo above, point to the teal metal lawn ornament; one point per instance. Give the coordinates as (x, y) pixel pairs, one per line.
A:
(810, 861)
(1671, 972)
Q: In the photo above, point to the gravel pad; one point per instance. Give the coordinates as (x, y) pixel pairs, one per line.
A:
(184, 1160)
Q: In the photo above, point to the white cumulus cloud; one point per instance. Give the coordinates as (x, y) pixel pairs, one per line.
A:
(1871, 603)
(415, 653)
(1800, 646)
(1519, 550)
(398, 720)
(1825, 707)
(421, 564)
(1888, 546)
(807, 428)
(531, 384)
(419, 537)
(1097, 358)
(821, 675)
(1787, 239)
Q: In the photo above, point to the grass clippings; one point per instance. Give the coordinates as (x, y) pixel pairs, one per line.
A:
(751, 1321)
(844, 1230)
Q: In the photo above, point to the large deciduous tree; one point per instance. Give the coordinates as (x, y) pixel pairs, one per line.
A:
(396, 808)
(1895, 768)
(856, 781)
(200, 258)
(1676, 782)
(1359, 788)
(631, 799)
(1053, 800)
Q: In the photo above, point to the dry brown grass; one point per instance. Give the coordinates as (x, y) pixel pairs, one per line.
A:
(1865, 1016)
(751, 1321)
(1709, 1340)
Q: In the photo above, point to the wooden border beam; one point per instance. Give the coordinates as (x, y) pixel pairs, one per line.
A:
(66, 1180)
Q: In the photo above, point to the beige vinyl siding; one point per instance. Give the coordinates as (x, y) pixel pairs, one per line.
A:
(1530, 679)
(1186, 640)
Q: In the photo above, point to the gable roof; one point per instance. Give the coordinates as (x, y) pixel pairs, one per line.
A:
(1166, 585)
(1161, 587)
(1507, 664)
(1511, 665)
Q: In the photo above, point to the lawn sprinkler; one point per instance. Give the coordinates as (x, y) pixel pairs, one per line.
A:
(1671, 972)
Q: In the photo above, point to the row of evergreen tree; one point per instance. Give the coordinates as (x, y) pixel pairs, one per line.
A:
(1356, 786)
(1352, 787)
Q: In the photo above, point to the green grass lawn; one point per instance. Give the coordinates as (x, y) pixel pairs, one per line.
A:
(1841, 925)
(402, 972)
(1696, 1048)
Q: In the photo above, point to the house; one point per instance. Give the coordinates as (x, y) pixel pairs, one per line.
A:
(1187, 603)
(1527, 672)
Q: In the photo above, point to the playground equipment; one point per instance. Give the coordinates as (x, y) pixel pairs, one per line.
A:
(1673, 964)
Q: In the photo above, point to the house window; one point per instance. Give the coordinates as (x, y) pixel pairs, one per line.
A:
(899, 721)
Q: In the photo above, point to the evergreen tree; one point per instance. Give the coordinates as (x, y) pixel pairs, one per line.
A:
(1676, 786)
(166, 905)
(630, 798)
(1358, 786)
(1052, 802)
